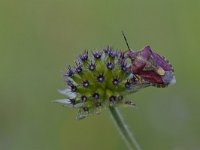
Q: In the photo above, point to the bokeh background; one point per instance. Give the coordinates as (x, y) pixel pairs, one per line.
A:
(39, 37)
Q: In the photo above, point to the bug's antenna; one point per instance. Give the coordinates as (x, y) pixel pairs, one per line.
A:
(125, 40)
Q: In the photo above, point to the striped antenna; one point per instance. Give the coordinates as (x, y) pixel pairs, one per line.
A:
(125, 40)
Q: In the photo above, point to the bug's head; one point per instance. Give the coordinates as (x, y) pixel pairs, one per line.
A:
(151, 67)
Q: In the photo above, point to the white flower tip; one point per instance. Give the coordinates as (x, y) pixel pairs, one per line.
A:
(68, 93)
(65, 102)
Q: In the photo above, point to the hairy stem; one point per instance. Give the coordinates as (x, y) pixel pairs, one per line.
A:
(123, 129)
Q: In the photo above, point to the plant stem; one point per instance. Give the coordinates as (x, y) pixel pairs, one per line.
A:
(123, 129)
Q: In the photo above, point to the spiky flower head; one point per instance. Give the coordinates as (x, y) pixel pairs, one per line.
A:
(104, 78)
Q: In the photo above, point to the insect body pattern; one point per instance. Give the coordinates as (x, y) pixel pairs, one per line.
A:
(150, 66)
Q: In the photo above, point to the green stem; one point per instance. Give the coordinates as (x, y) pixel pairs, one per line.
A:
(123, 129)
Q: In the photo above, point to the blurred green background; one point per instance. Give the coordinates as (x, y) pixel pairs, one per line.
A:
(39, 37)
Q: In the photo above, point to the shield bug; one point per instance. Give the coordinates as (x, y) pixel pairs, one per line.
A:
(150, 66)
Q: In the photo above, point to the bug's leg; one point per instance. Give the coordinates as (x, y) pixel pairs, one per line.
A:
(129, 103)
